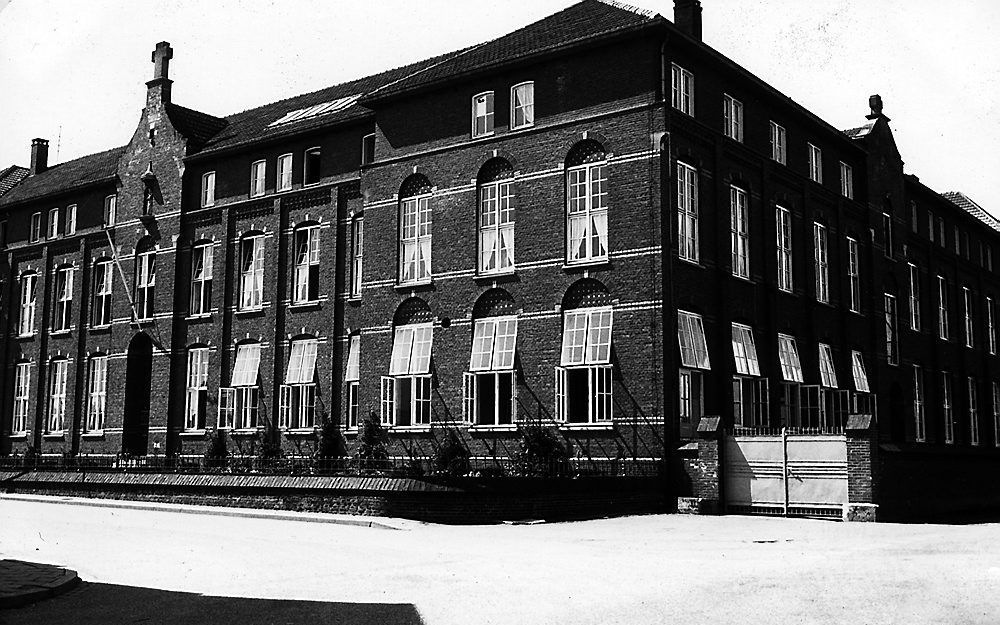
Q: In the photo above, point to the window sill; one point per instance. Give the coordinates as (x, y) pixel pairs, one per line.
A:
(514, 128)
(192, 434)
(310, 305)
(26, 336)
(694, 262)
(244, 431)
(597, 427)
(95, 435)
(493, 428)
(299, 432)
(604, 263)
(199, 317)
(353, 299)
(143, 323)
(249, 312)
(54, 436)
(483, 134)
(58, 333)
(101, 328)
(741, 278)
(18, 436)
(409, 286)
(410, 429)
(497, 276)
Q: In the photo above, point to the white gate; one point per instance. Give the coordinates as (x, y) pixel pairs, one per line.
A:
(789, 474)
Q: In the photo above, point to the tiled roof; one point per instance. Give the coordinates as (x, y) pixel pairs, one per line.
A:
(967, 204)
(196, 126)
(65, 176)
(583, 21)
(11, 176)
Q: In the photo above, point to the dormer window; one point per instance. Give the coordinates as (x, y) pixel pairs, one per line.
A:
(208, 189)
(482, 114)
(522, 105)
(311, 168)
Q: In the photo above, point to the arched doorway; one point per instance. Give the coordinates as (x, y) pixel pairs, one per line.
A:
(138, 376)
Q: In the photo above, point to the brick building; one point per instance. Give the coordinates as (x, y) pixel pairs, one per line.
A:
(506, 235)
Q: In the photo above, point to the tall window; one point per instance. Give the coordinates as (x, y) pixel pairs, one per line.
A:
(858, 370)
(583, 379)
(406, 391)
(815, 163)
(306, 264)
(682, 89)
(201, 279)
(783, 227)
(490, 388)
(415, 231)
(732, 112)
(53, 223)
(822, 263)
(36, 227)
(103, 281)
(196, 398)
(208, 189)
(943, 332)
(920, 427)
(496, 218)
(788, 357)
(739, 225)
(887, 235)
(352, 378)
(744, 351)
(252, 272)
(750, 394)
(587, 203)
(687, 212)
(145, 284)
(827, 370)
(482, 114)
(357, 254)
(854, 274)
(947, 408)
(284, 180)
(297, 399)
(846, 181)
(967, 313)
(97, 397)
(26, 318)
(996, 413)
(891, 335)
(22, 390)
(522, 105)
(973, 405)
(778, 152)
(110, 210)
(694, 360)
(70, 227)
(238, 402)
(57, 395)
(914, 298)
(311, 166)
(258, 173)
(991, 333)
(63, 310)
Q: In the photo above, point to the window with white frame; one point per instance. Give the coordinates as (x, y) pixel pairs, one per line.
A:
(732, 114)
(258, 177)
(103, 281)
(496, 222)
(97, 396)
(306, 264)
(311, 162)
(947, 408)
(36, 227)
(783, 228)
(690, 400)
(859, 373)
(687, 212)
(587, 205)
(584, 377)
(815, 163)
(854, 274)
(196, 397)
(352, 378)
(70, 227)
(692, 342)
(920, 424)
(846, 181)
(208, 189)
(744, 351)
(967, 313)
(827, 372)
(788, 356)
(201, 279)
(406, 391)
(26, 318)
(57, 395)
(490, 385)
(368, 149)
(297, 396)
(750, 394)
(821, 263)
(914, 298)
(522, 105)
(238, 401)
(252, 272)
(682, 89)
(415, 239)
(145, 284)
(284, 179)
(53, 231)
(62, 314)
(357, 254)
(973, 405)
(943, 330)
(482, 114)
(891, 333)
(110, 210)
(739, 227)
(991, 333)
(996, 413)
(22, 390)
(778, 151)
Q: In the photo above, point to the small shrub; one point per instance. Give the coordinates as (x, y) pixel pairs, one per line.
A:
(268, 445)
(542, 452)
(451, 457)
(372, 451)
(331, 442)
(216, 449)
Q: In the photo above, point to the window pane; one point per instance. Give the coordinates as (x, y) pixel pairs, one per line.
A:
(574, 337)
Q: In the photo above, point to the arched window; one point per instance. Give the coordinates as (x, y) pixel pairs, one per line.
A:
(196, 397)
(62, 312)
(103, 283)
(252, 271)
(490, 386)
(583, 379)
(415, 230)
(306, 249)
(145, 279)
(496, 217)
(26, 319)
(297, 396)
(58, 375)
(238, 401)
(22, 394)
(97, 397)
(586, 203)
(201, 278)
(406, 391)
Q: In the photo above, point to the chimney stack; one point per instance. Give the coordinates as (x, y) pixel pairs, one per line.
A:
(159, 87)
(687, 17)
(39, 156)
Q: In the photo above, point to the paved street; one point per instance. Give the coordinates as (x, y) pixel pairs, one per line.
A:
(166, 567)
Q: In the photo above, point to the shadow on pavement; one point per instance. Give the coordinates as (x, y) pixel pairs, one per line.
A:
(107, 603)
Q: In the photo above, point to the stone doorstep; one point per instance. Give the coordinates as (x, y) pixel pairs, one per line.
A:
(47, 582)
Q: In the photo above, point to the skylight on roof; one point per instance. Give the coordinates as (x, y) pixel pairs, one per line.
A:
(316, 110)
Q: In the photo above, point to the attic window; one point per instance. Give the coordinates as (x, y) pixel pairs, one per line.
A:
(311, 173)
(316, 110)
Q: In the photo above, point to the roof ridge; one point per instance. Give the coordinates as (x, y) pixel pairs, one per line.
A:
(647, 13)
(443, 59)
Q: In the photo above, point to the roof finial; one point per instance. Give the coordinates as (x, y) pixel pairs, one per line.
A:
(161, 58)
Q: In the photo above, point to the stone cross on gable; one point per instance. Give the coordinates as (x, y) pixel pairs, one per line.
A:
(161, 58)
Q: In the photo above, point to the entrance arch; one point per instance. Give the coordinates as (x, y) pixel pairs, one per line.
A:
(138, 377)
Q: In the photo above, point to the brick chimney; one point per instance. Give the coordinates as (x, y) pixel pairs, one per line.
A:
(158, 92)
(39, 156)
(687, 17)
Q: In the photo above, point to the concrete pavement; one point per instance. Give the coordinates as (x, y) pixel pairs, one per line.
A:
(22, 582)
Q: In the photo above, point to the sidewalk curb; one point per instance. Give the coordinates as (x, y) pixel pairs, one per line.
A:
(246, 513)
(65, 582)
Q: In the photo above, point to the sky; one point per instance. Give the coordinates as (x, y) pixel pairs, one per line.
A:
(73, 72)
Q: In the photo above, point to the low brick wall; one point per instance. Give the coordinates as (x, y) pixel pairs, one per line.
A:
(455, 501)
